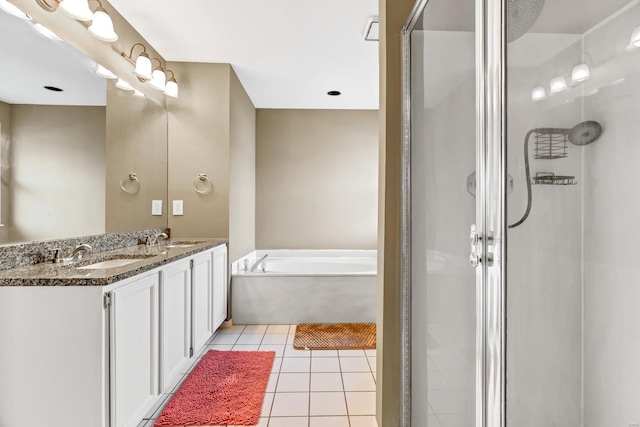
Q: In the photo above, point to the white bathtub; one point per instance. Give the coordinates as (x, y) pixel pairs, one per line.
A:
(305, 287)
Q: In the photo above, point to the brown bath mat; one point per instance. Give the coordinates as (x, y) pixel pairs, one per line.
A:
(335, 336)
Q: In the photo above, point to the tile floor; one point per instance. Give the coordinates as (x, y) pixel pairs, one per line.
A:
(325, 388)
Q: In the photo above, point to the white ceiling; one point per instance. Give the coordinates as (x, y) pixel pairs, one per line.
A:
(287, 53)
(32, 61)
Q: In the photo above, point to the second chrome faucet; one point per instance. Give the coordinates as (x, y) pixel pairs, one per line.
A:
(74, 256)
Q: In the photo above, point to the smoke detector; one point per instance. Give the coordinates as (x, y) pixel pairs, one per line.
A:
(372, 29)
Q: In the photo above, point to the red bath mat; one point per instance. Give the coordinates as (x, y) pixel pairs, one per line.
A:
(225, 388)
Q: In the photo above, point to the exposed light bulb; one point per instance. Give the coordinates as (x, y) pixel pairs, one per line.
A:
(538, 94)
(104, 73)
(121, 84)
(46, 32)
(13, 10)
(102, 26)
(171, 89)
(558, 84)
(580, 73)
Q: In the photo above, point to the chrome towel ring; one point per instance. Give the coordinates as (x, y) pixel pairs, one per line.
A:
(136, 184)
(208, 185)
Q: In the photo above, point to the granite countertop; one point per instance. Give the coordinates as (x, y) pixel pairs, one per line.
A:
(50, 274)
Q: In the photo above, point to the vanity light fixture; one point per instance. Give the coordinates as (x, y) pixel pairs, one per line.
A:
(104, 73)
(538, 94)
(558, 84)
(46, 32)
(580, 73)
(171, 88)
(121, 84)
(158, 79)
(13, 10)
(77, 9)
(102, 25)
(142, 63)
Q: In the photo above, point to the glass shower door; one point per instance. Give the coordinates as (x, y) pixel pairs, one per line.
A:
(573, 341)
(441, 165)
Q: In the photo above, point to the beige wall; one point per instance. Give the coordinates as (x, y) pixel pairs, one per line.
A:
(393, 16)
(57, 171)
(242, 179)
(199, 143)
(316, 179)
(136, 137)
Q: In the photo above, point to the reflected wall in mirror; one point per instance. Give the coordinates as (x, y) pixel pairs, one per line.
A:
(62, 151)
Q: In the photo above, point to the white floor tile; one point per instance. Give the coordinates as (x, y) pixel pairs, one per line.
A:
(372, 363)
(235, 329)
(366, 421)
(225, 339)
(277, 363)
(219, 347)
(245, 347)
(358, 381)
(288, 422)
(292, 352)
(279, 349)
(262, 422)
(329, 422)
(295, 364)
(278, 329)
(370, 353)
(250, 339)
(326, 381)
(375, 377)
(324, 353)
(325, 364)
(255, 329)
(293, 382)
(271, 385)
(327, 403)
(290, 405)
(361, 402)
(274, 339)
(266, 405)
(354, 364)
(351, 353)
(290, 339)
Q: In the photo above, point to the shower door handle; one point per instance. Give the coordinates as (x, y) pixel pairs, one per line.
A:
(474, 239)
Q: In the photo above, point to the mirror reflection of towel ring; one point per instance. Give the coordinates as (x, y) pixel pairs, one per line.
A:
(133, 178)
(207, 183)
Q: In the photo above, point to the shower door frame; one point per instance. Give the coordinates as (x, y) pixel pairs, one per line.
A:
(491, 218)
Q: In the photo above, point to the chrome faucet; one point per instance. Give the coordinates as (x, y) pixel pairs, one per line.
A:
(257, 263)
(74, 256)
(154, 240)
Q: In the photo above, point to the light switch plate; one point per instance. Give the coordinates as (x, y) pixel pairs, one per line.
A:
(156, 207)
(177, 207)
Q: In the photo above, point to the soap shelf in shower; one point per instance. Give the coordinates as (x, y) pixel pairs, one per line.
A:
(549, 178)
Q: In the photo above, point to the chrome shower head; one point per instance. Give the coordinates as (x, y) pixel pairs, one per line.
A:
(585, 133)
(521, 15)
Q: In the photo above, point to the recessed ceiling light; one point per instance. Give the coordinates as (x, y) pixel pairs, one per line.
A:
(334, 93)
(53, 88)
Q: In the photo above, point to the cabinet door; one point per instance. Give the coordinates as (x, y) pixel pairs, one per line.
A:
(175, 320)
(202, 298)
(134, 351)
(220, 283)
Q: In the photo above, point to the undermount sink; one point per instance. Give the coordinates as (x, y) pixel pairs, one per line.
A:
(112, 263)
(182, 244)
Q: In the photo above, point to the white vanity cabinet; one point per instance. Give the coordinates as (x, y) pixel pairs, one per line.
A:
(99, 356)
(134, 352)
(175, 319)
(220, 285)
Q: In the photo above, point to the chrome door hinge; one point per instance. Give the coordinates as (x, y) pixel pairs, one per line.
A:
(106, 299)
(191, 349)
(475, 238)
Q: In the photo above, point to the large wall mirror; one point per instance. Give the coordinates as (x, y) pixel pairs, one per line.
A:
(63, 152)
